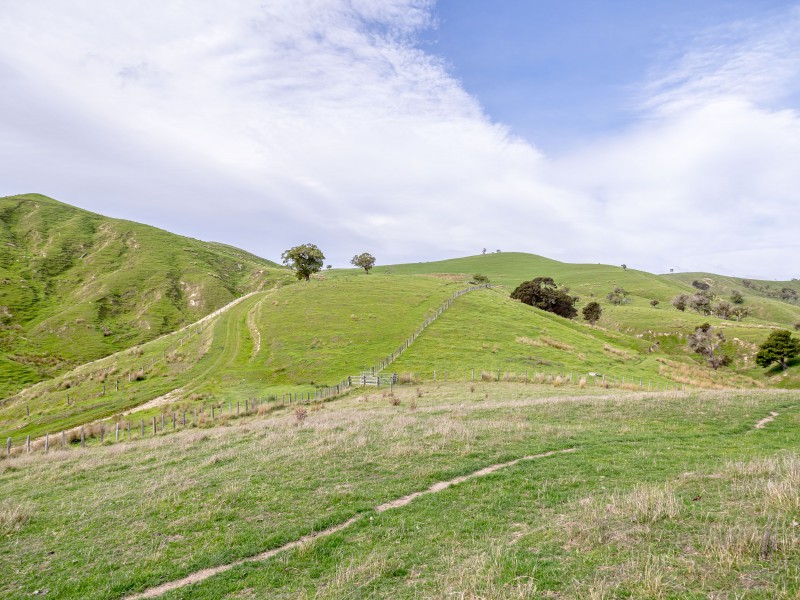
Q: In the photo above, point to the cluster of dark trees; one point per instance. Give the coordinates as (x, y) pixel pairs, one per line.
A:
(785, 294)
(543, 293)
(706, 303)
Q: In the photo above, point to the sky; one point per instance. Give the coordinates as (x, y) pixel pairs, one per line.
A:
(661, 134)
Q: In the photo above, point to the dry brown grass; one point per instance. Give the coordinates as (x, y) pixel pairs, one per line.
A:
(13, 516)
(623, 354)
(545, 342)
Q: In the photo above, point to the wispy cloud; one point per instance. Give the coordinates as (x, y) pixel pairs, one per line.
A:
(268, 124)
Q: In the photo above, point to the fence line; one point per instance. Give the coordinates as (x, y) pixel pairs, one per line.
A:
(209, 413)
(371, 372)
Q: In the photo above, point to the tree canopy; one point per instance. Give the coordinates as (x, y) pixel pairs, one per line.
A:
(779, 347)
(305, 260)
(592, 312)
(543, 293)
(365, 261)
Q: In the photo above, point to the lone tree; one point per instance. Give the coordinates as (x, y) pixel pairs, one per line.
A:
(365, 260)
(543, 293)
(479, 279)
(592, 312)
(779, 347)
(707, 342)
(304, 260)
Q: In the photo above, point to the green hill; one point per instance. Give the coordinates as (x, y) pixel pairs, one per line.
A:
(75, 285)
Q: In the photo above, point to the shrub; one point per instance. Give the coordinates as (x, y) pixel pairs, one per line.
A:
(618, 296)
(592, 312)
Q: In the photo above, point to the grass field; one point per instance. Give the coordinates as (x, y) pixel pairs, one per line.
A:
(76, 286)
(288, 339)
(665, 495)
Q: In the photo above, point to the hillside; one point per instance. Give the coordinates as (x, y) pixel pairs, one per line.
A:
(76, 285)
(663, 325)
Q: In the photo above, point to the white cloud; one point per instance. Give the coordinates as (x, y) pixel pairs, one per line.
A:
(269, 124)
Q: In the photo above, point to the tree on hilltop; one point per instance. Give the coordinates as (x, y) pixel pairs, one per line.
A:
(779, 347)
(305, 260)
(543, 293)
(365, 260)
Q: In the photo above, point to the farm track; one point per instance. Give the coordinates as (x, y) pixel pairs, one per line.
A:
(230, 343)
(440, 486)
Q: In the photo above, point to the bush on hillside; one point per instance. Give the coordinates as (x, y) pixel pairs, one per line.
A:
(618, 296)
(543, 293)
(592, 312)
(680, 302)
(708, 342)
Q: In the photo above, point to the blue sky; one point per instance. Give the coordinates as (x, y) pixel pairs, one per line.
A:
(663, 135)
(560, 72)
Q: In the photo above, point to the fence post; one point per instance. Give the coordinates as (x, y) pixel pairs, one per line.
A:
(64, 440)
(83, 437)
(173, 420)
(155, 427)
(116, 433)
(102, 433)
(129, 431)
(46, 442)
(8, 447)
(142, 427)
(237, 408)
(162, 422)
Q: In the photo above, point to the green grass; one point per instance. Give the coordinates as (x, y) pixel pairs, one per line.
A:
(166, 507)
(308, 336)
(75, 286)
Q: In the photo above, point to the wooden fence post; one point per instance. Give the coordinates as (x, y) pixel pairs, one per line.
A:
(8, 447)
(154, 426)
(63, 440)
(28, 444)
(83, 437)
(173, 420)
(162, 422)
(116, 433)
(102, 433)
(46, 442)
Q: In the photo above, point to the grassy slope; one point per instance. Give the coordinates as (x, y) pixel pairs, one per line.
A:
(77, 285)
(662, 324)
(309, 335)
(649, 494)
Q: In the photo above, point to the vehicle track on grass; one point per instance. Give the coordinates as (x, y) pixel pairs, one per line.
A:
(230, 342)
(203, 574)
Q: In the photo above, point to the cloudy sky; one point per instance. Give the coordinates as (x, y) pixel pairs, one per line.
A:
(660, 134)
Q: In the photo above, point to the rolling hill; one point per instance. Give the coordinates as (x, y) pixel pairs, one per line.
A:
(75, 285)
